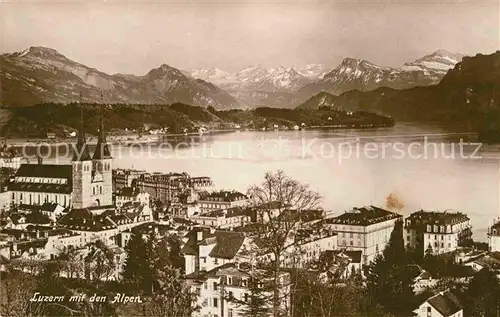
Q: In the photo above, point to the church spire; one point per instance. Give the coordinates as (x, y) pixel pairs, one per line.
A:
(102, 149)
(81, 152)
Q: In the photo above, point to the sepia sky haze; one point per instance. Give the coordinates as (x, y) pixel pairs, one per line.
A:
(128, 37)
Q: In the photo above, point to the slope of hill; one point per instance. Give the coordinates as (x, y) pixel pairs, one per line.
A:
(61, 119)
(41, 74)
(469, 94)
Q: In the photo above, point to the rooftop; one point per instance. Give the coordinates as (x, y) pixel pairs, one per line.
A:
(422, 217)
(227, 243)
(223, 195)
(45, 170)
(363, 216)
(446, 303)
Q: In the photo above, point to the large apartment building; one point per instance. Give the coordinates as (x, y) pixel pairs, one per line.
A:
(441, 232)
(224, 199)
(367, 229)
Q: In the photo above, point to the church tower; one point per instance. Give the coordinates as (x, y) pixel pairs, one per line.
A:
(81, 169)
(102, 178)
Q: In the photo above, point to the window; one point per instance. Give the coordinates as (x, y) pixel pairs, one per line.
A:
(216, 302)
(215, 287)
(216, 261)
(205, 285)
(230, 294)
(230, 312)
(230, 280)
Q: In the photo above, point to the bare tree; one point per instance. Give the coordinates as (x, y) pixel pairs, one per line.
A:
(278, 203)
(16, 290)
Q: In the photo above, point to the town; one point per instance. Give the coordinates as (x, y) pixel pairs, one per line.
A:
(270, 252)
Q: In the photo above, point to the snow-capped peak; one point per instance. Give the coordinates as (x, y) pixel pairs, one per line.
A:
(440, 60)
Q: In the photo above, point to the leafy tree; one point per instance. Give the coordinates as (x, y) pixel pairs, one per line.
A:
(137, 272)
(483, 295)
(99, 261)
(389, 281)
(258, 297)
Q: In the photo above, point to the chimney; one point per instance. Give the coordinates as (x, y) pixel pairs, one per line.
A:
(199, 236)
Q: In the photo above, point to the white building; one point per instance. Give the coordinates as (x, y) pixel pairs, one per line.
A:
(221, 200)
(216, 289)
(444, 304)
(367, 229)
(442, 232)
(224, 218)
(131, 195)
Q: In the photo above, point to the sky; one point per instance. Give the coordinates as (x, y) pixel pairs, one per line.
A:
(132, 37)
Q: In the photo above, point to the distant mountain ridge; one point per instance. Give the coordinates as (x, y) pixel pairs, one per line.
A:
(360, 74)
(468, 94)
(40, 74)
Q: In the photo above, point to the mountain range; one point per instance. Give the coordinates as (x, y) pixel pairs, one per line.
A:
(40, 74)
(360, 74)
(468, 94)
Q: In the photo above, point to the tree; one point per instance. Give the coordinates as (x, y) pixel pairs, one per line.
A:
(16, 290)
(155, 274)
(389, 281)
(278, 202)
(483, 295)
(258, 297)
(137, 272)
(99, 261)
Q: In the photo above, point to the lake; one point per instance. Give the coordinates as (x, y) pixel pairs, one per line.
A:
(421, 167)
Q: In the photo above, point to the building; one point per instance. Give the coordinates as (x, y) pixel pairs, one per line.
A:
(168, 187)
(215, 289)
(131, 195)
(225, 218)
(125, 177)
(206, 248)
(494, 237)
(9, 157)
(444, 304)
(367, 229)
(86, 182)
(223, 199)
(441, 232)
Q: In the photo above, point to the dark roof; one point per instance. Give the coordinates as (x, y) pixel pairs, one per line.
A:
(45, 170)
(50, 207)
(84, 220)
(203, 275)
(445, 303)
(227, 243)
(223, 195)
(422, 217)
(41, 188)
(355, 255)
(364, 216)
(128, 191)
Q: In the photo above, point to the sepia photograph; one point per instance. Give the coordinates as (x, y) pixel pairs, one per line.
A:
(250, 158)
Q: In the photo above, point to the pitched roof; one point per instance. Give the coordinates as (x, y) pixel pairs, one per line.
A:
(364, 216)
(45, 170)
(445, 303)
(41, 188)
(227, 243)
